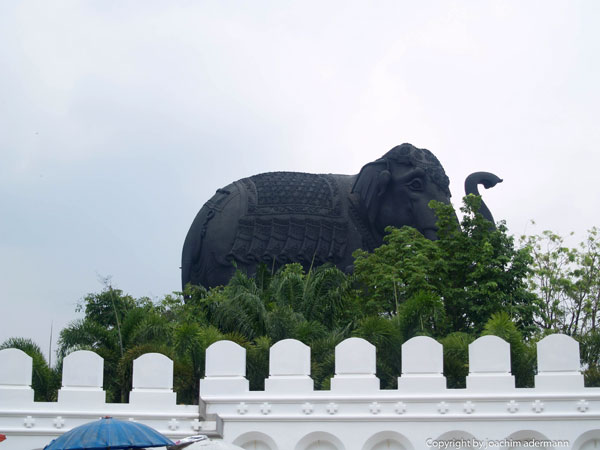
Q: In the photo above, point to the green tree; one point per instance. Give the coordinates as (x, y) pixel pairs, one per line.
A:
(322, 294)
(585, 292)
(241, 308)
(113, 325)
(550, 278)
(566, 282)
(483, 271)
(453, 284)
(406, 265)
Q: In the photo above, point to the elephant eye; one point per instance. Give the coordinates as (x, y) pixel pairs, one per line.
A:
(416, 184)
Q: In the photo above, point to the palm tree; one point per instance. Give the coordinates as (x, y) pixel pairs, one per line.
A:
(240, 307)
(387, 335)
(456, 358)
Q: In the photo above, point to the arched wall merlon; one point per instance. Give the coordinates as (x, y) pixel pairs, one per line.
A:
(422, 355)
(225, 359)
(422, 366)
(489, 365)
(225, 370)
(153, 381)
(355, 367)
(558, 353)
(153, 371)
(289, 367)
(558, 364)
(83, 368)
(289, 357)
(15, 368)
(489, 354)
(82, 376)
(355, 356)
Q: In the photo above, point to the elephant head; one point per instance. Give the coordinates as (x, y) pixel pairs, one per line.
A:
(397, 188)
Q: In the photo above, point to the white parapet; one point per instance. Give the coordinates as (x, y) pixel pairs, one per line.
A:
(152, 381)
(225, 370)
(489, 365)
(289, 368)
(354, 415)
(558, 364)
(355, 367)
(82, 377)
(15, 377)
(422, 366)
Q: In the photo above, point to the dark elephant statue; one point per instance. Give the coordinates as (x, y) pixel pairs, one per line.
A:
(282, 217)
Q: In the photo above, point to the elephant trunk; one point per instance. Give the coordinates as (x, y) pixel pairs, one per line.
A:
(488, 180)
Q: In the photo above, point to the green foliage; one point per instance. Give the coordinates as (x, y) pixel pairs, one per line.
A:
(323, 356)
(241, 308)
(550, 278)
(456, 358)
(590, 348)
(257, 360)
(107, 307)
(422, 315)
(589, 344)
(455, 283)
(282, 322)
(483, 272)
(406, 265)
(566, 282)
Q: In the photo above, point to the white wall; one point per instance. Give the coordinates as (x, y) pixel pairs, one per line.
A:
(357, 415)
(28, 424)
(354, 415)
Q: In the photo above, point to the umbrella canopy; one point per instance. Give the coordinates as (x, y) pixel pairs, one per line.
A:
(109, 433)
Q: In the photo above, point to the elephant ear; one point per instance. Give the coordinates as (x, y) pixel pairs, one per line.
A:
(370, 185)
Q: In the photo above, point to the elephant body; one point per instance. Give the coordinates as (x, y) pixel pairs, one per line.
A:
(282, 217)
(275, 218)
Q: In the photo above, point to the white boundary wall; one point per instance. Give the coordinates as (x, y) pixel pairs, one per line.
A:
(354, 415)
(357, 415)
(31, 425)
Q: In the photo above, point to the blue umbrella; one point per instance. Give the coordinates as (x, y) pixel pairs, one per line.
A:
(109, 433)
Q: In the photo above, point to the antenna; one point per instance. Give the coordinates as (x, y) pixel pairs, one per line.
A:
(50, 347)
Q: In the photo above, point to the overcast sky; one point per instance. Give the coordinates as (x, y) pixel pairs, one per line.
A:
(119, 119)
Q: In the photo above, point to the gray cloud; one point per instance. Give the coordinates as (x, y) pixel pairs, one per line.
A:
(119, 120)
